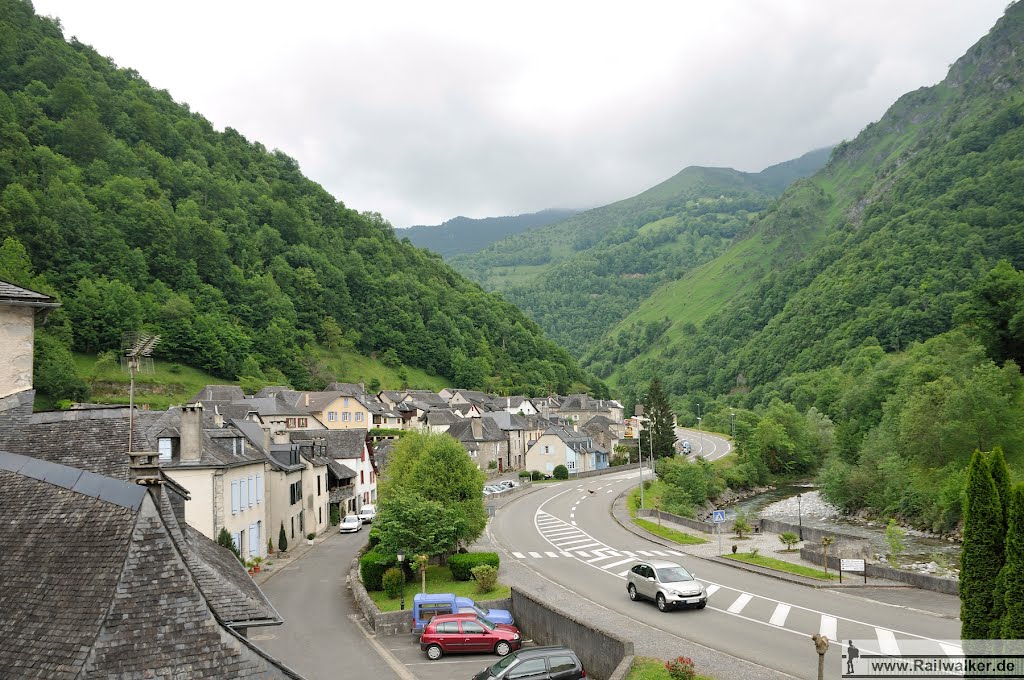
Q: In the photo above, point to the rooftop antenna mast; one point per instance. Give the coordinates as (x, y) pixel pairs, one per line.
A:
(137, 346)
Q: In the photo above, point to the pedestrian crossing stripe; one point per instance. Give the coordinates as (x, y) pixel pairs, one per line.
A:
(518, 555)
(887, 642)
(741, 602)
(828, 626)
(779, 615)
(711, 590)
(550, 554)
(535, 554)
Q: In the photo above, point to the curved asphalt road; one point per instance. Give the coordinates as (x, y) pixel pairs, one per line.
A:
(565, 533)
(708, 444)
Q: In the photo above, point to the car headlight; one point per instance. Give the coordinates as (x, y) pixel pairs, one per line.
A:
(675, 593)
(516, 636)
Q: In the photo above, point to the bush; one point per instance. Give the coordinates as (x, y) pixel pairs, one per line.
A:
(681, 668)
(372, 566)
(311, 535)
(492, 465)
(535, 475)
(462, 564)
(374, 538)
(561, 472)
(486, 576)
(525, 474)
(647, 484)
(282, 539)
(393, 582)
(335, 516)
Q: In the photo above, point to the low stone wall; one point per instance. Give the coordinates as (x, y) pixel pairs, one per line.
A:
(604, 471)
(706, 527)
(937, 584)
(604, 655)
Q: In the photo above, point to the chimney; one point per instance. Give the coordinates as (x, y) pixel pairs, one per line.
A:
(477, 426)
(266, 439)
(191, 430)
(307, 398)
(144, 468)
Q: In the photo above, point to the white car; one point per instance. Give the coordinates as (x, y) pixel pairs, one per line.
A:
(350, 524)
(367, 513)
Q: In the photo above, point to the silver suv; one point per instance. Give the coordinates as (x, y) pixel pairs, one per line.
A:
(667, 583)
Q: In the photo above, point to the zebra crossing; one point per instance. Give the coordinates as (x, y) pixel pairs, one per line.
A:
(571, 543)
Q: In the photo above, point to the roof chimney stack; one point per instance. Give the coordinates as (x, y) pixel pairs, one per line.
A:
(191, 432)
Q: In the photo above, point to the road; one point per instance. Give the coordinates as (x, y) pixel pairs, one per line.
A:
(320, 637)
(564, 533)
(708, 444)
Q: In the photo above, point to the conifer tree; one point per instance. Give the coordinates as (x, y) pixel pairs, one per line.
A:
(1001, 477)
(282, 539)
(1012, 575)
(662, 420)
(980, 559)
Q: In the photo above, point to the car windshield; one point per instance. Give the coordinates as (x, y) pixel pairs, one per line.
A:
(502, 665)
(484, 622)
(673, 575)
(351, 518)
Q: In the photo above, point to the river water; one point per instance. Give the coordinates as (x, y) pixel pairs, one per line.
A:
(921, 553)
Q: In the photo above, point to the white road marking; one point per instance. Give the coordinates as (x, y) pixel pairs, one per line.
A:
(588, 545)
(675, 552)
(615, 564)
(741, 602)
(627, 552)
(623, 573)
(535, 555)
(550, 554)
(565, 553)
(951, 650)
(779, 617)
(598, 558)
(659, 553)
(711, 590)
(644, 553)
(518, 555)
(886, 642)
(610, 491)
(577, 540)
(828, 626)
(582, 553)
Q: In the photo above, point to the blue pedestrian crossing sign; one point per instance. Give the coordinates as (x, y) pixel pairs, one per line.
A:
(718, 516)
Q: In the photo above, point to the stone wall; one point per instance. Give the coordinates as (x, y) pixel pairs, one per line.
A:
(937, 584)
(17, 330)
(706, 527)
(605, 656)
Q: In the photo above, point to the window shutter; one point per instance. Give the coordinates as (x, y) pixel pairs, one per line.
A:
(234, 499)
(259, 488)
(236, 537)
(253, 539)
(252, 490)
(244, 485)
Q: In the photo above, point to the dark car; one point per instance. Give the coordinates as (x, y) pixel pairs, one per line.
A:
(467, 633)
(536, 663)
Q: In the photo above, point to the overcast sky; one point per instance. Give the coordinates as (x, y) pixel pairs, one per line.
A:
(423, 111)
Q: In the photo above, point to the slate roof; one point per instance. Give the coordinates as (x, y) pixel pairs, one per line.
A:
(475, 397)
(381, 453)
(441, 417)
(16, 295)
(135, 610)
(505, 420)
(347, 389)
(218, 393)
(489, 431)
(341, 471)
(340, 443)
(427, 397)
(215, 449)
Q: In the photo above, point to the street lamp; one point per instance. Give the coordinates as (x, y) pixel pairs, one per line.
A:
(701, 434)
(401, 560)
(800, 516)
(732, 424)
(638, 412)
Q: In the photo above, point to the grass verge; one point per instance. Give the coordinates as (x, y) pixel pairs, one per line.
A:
(647, 668)
(671, 534)
(782, 565)
(439, 580)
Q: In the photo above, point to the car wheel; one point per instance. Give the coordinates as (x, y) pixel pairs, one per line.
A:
(632, 592)
(662, 604)
(702, 605)
(434, 652)
(502, 648)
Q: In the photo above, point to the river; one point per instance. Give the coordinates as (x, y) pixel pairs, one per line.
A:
(921, 553)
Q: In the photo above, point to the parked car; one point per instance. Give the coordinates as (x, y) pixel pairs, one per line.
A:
(536, 663)
(426, 606)
(349, 524)
(686, 448)
(666, 583)
(467, 633)
(507, 484)
(367, 513)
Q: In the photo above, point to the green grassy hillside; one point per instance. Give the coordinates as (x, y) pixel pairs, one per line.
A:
(461, 235)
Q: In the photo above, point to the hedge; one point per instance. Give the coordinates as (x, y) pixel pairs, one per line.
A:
(372, 566)
(461, 565)
(561, 472)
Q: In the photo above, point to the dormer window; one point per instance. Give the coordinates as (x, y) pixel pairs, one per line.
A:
(167, 447)
(238, 446)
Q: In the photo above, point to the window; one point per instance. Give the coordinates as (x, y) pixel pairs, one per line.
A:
(344, 402)
(448, 628)
(234, 499)
(345, 416)
(303, 422)
(320, 515)
(302, 522)
(290, 422)
(359, 416)
(293, 527)
(252, 490)
(259, 488)
(238, 446)
(318, 485)
(236, 538)
(472, 628)
(547, 450)
(561, 664)
(253, 540)
(373, 477)
(244, 495)
(362, 479)
(332, 416)
(529, 668)
(166, 448)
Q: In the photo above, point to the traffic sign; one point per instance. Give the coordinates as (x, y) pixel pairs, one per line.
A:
(718, 516)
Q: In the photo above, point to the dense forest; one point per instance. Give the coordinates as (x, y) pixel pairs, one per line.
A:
(467, 235)
(882, 298)
(579, 277)
(138, 215)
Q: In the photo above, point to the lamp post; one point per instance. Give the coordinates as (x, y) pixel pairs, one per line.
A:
(800, 516)
(732, 424)
(701, 434)
(401, 560)
(638, 412)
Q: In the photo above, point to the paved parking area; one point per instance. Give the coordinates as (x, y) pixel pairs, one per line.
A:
(406, 648)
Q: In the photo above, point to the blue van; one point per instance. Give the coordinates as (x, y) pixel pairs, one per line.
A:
(426, 606)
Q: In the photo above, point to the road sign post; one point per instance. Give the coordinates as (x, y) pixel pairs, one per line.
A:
(718, 517)
(854, 566)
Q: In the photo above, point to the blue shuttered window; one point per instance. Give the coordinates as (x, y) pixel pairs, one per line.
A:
(234, 499)
(259, 488)
(252, 490)
(244, 484)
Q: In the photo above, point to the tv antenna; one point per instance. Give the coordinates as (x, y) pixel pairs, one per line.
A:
(137, 346)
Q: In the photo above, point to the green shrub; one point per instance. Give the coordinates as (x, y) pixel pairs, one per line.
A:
(561, 472)
(462, 564)
(335, 516)
(647, 484)
(536, 474)
(393, 582)
(372, 566)
(525, 474)
(492, 465)
(282, 539)
(486, 576)
(374, 538)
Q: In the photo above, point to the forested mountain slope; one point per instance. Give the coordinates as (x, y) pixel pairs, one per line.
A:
(461, 235)
(581, 276)
(883, 243)
(137, 214)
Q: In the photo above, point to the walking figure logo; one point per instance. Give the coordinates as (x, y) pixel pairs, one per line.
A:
(851, 653)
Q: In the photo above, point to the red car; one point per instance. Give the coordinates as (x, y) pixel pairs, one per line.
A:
(455, 633)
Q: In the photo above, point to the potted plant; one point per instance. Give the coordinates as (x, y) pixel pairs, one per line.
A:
(310, 536)
(256, 564)
(250, 567)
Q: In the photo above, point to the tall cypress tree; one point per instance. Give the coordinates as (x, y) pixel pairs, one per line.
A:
(663, 433)
(980, 559)
(1012, 575)
(1001, 477)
